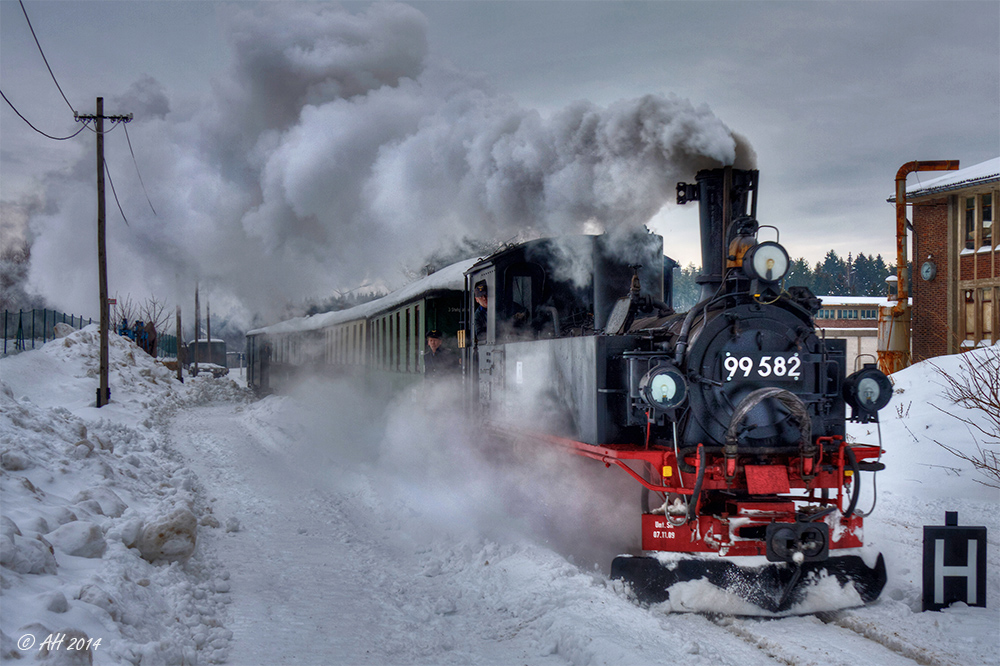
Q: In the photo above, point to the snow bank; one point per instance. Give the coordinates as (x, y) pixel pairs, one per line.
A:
(85, 494)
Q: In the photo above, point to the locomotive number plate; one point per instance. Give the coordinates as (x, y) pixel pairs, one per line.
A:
(780, 367)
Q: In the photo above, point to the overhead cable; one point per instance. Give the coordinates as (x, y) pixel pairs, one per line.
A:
(137, 170)
(46, 60)
(107, 170)
(48, 136)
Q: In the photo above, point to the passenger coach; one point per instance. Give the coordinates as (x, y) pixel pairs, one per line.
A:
(384, 338)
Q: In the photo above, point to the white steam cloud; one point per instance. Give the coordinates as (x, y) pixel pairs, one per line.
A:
(337, 149)
(424, 458)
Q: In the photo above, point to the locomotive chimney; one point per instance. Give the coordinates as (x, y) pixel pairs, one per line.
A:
(723, 195)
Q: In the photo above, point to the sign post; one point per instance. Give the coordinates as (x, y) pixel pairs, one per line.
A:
(954, 564)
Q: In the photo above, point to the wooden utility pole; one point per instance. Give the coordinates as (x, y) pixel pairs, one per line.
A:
(197, 328)
(103, 391)
(180, 349)
(208, 331)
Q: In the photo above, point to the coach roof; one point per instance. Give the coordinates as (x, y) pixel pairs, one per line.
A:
(449, 278)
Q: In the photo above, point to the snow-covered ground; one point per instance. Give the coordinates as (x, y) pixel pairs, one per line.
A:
(190, 524)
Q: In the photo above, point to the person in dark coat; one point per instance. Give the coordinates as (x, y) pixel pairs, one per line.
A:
(138, 331)
(439, 361)
(150, 332)
(482, 303)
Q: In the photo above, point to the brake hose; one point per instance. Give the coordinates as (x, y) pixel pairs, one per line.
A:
(693, 507)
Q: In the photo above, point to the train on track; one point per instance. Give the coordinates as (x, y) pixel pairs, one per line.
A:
(730, 417)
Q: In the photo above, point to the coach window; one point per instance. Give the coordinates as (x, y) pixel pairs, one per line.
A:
(415, 344)
(407, 314)
(397, 346)
(383, 345)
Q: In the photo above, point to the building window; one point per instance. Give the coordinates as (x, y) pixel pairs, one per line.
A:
(970, 222)
(986, 304)
(970, 314)
(986, 228)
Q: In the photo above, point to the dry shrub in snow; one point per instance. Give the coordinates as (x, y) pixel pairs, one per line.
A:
(975, 385)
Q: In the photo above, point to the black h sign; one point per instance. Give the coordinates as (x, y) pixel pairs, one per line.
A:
(954, 564)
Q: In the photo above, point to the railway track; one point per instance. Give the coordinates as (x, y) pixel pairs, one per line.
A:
(833, 639)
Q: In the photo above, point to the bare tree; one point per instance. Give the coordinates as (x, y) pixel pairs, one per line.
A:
(154, 310)
(976, 387)
(124, 308)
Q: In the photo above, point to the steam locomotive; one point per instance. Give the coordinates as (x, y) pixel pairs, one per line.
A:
(730, 416)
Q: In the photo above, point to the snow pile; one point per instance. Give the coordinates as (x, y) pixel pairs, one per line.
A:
(100, 520)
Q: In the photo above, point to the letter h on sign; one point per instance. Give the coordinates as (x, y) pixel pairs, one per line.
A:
(954, 564)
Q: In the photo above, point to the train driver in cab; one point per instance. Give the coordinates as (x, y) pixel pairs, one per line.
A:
(482, 303)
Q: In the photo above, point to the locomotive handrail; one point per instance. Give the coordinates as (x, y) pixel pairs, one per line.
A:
(638, 477)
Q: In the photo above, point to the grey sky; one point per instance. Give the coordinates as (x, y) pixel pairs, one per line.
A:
(833, 98)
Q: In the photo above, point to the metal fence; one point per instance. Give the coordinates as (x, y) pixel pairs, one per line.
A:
(24, 329)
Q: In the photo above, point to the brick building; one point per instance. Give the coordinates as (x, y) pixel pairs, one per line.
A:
(956, 261)
(855, 319)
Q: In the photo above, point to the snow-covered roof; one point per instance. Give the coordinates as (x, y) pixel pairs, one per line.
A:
(984, 172)
(828, 301)
(450, 277)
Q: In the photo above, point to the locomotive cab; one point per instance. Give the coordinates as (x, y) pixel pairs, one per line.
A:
(537, 344)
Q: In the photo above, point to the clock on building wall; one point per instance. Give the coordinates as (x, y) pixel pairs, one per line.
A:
(928, 270)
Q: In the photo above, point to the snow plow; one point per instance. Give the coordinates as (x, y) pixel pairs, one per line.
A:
(772, 588)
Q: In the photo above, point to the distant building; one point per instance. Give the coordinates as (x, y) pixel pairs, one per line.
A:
(855, 319)
(956, 261)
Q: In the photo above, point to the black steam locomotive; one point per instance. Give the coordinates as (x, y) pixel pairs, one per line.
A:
(731, 415)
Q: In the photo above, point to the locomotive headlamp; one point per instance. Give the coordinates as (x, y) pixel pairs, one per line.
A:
(867, 391)
(767, 262)
(663, 387)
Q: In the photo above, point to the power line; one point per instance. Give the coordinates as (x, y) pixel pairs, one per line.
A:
(107, 170)
(136, 172)
(48, 136)
(46, 60)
